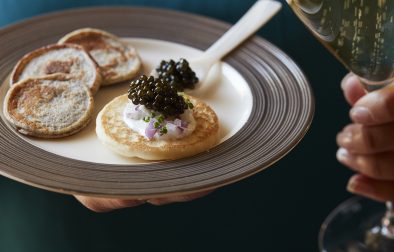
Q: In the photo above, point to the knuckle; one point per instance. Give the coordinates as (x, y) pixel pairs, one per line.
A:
(372, 167)
(92, 204)
(95, 206)
(368, 139)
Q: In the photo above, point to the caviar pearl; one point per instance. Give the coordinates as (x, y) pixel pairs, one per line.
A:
(177, 74)
(157, 95)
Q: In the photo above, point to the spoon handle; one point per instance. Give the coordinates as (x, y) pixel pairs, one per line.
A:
(261, 12)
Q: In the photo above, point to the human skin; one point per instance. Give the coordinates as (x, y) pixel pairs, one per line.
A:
(101, 205)
(366, 145)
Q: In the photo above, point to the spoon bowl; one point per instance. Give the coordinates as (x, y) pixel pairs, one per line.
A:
(258, 15)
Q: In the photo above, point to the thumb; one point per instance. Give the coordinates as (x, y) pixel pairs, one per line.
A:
(352, 88)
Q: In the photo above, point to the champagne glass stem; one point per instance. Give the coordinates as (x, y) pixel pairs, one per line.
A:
(381, 238)
(388, 221)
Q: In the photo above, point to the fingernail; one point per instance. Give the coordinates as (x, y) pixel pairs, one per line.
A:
(349, 78)
(343, 155)
(361, 115)
(345, 138)
(357, 184)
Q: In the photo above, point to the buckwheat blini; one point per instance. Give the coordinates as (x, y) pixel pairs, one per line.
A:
(118, 60)
(153, 122)
(48, 107)
(72, 61)
(116, 135)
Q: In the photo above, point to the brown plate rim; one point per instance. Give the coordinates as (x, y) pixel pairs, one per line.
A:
(270, 73)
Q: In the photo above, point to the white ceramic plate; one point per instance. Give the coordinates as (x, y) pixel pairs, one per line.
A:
(225, 91)
(262, 99)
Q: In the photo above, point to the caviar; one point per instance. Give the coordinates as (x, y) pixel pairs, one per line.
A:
(177, 74)
(156, 94)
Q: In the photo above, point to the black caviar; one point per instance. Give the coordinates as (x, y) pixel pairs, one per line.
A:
(156, 94)
(177, 74)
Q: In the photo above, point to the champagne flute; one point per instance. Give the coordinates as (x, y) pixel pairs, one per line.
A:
(358, 33)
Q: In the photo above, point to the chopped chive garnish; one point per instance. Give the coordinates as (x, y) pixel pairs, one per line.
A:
(160, 119)
(189, 104)
(163, 130)
(146, 118)
(156, 125)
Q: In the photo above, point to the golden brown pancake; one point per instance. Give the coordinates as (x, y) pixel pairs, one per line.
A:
(48, 107)
(70, 60)
(115, 134)
(118, 61)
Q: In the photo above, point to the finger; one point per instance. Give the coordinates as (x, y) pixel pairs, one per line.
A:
(371, 188)
(375, 108)
(376, 166)
(178, 198)
(101, 205)
(360, 139)
(352, 88)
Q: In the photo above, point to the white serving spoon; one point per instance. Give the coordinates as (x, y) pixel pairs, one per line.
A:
(259, 14)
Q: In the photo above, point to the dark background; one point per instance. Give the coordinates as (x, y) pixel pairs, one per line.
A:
(280, 209)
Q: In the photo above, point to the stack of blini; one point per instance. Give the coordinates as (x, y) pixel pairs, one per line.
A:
(52, 88)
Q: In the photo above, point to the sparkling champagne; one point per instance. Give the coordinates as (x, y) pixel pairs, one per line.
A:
(360, 33)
